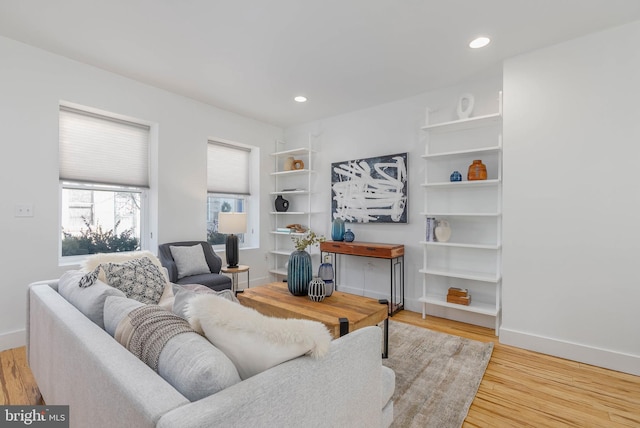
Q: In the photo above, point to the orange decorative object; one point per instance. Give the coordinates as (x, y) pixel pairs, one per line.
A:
(477, 171)
(298, 164)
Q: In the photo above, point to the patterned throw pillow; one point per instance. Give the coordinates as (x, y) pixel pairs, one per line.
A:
(140, 279)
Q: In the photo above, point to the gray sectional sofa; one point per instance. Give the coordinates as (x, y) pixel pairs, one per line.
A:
(77, 363)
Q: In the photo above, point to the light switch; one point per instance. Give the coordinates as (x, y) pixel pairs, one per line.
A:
(24, 210)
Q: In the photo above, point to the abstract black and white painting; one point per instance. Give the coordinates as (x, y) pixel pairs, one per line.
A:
(371, 190)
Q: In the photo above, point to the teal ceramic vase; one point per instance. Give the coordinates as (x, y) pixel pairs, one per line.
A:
(337, 229)
(299, 273)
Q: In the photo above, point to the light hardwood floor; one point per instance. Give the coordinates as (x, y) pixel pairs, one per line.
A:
(519, 389)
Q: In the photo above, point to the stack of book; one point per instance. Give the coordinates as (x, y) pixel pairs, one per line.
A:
(459, 296)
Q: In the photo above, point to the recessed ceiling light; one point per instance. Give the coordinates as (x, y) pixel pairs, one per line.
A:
(300, 99)
(480, 42)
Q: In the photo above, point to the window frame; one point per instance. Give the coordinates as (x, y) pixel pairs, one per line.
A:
(251, 200)
(145, 192)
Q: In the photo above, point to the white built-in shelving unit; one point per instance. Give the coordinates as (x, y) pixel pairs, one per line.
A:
(471, 258)
(296, 186)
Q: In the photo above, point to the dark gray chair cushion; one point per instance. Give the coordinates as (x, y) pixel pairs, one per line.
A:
(214, 280)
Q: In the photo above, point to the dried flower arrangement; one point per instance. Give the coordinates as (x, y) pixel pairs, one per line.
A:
(310, 238)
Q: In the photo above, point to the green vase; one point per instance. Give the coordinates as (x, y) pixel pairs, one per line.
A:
(299, 273)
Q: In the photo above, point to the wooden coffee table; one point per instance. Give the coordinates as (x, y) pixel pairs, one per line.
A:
(340, 312)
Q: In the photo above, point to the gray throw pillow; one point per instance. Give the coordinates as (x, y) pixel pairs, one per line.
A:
(90, 300)
(188, 361)
(196, 368)
(115, 309)
(189, 260)
(183, 293)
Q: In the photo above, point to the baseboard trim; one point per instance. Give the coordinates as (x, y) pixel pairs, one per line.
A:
(605, 358)
(13, 339)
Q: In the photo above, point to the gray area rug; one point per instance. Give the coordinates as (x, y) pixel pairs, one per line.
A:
(437, 375)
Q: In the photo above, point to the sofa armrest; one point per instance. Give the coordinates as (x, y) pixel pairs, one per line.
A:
(76, 363)
(342, 389)
(53, 283)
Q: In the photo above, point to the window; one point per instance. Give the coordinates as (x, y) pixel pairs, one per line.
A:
(228, 186)
(104, 164)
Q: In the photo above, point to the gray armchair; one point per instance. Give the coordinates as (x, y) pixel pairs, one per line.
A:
(214, 280)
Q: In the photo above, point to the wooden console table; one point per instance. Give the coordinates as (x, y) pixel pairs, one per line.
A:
(393, 252)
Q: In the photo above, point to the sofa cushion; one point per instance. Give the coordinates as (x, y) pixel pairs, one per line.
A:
(184, 292)
(94, 260)
(91, 262)
(139, 279)
(189, 260)
(191, 364)
(255, 342)
(115, 310)
(90, 301)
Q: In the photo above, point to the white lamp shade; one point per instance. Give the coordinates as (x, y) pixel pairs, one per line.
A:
(232, 223)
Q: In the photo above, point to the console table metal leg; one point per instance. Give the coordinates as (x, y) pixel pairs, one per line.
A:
(392, 308)
(397, 305)
(336, 270)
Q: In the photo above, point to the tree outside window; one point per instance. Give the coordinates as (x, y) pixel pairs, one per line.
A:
(99, 221)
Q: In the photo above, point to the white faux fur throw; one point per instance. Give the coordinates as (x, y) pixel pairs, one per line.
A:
(255, 342)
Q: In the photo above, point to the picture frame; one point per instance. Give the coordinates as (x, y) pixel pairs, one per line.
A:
(370, 190)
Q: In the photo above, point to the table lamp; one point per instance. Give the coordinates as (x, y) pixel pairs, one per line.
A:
(232, 224)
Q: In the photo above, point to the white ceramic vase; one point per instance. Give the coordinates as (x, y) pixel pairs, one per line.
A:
(442, 231)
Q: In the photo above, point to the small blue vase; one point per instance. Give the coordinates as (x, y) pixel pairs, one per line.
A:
(299, 273)
(337, 229)
(349, 236)
(455, 176)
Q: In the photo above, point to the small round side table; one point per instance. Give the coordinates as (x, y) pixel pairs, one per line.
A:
(234, 271)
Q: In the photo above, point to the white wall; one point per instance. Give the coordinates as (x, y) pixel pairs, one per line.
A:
(388, 129)
(571, 200)
(32, 83)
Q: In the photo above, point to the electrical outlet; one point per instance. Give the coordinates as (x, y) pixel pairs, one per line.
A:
(24, 210)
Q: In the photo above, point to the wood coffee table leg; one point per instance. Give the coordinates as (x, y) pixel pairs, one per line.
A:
(385, 351)
(344, 326)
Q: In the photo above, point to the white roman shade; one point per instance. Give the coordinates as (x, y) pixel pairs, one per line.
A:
(103, 150)
(228, 169)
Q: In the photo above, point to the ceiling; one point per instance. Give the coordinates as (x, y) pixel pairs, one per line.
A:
(253, 56)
